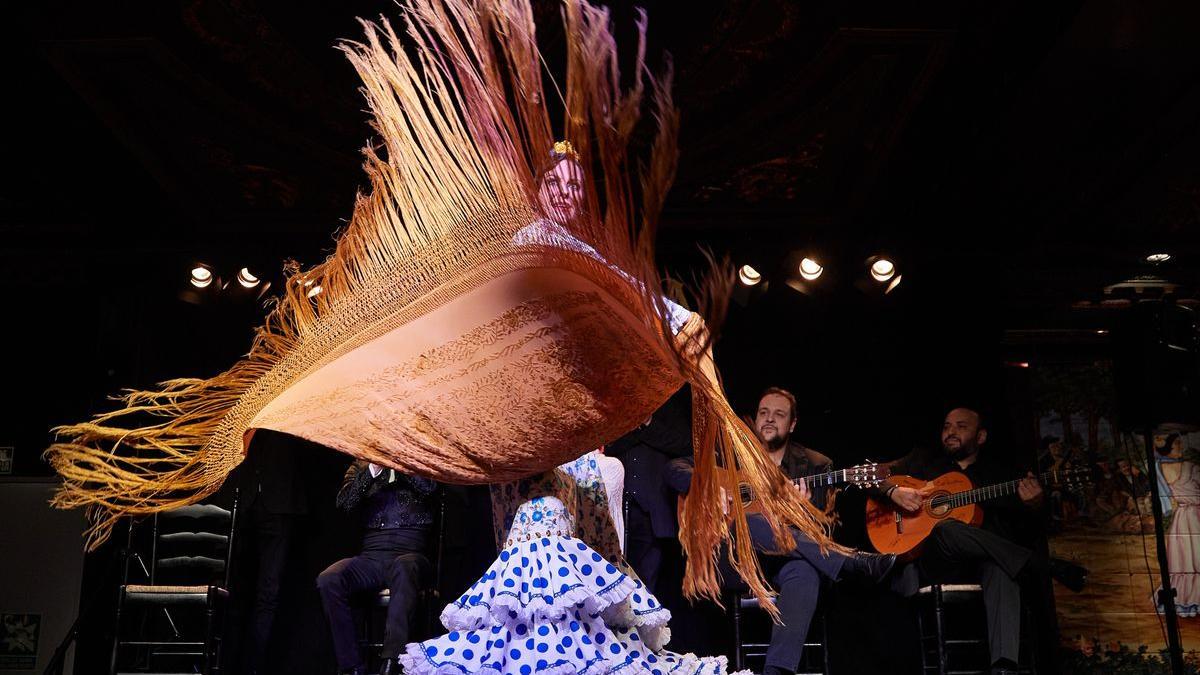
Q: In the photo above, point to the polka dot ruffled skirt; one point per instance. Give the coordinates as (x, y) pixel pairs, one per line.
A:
(553, 606)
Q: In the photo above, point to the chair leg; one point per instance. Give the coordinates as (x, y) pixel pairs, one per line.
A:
(921, 637)
(206, 666)
(737, 635)
(939, 617)
(112, 663)
(825, 643)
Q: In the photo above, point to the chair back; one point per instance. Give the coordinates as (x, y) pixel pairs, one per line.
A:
(193, 545)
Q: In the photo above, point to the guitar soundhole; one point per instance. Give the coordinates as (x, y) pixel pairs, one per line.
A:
(936, 509)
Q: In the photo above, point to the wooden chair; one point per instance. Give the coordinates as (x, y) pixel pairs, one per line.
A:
(741, 603)
(962, 650)
(189, 567)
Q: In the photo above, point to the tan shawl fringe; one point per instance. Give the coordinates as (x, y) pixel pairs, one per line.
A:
(459, 109)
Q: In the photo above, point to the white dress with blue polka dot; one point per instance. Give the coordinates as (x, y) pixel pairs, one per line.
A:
(552, 603)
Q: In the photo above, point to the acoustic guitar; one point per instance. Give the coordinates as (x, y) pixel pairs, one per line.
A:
(863, 475)
(893, 530)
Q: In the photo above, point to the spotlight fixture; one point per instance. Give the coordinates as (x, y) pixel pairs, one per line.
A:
(246, 278)
(314, 291)
(749, 276)
(883, 269)
(1158, 257)
(201, 276)
(892, 286)
(810, 269)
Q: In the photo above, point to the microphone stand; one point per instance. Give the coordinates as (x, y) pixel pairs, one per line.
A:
(1166, 594)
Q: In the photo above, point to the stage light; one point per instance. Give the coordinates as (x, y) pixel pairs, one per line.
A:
(246, 278)
(749, 276)
(883, 269)
(314, 291)
(201, 276)
(1158, 257)
(810, 269)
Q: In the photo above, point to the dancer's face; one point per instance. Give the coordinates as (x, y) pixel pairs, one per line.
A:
(561, 191)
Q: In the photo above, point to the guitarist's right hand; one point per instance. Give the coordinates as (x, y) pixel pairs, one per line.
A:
(909, 499)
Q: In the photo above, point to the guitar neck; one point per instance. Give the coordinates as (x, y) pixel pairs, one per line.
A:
(983, 494)
(824, 479)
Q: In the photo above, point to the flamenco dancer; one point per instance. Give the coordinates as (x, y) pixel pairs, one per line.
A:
(440, 295)
(560, 598)
(551, 603)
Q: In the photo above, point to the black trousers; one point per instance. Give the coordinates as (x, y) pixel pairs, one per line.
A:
(393, 559)
(957, 552)
(797, 576)
(644, 551)
(265, 538)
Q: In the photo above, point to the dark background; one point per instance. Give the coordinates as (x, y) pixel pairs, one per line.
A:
(1017, 160)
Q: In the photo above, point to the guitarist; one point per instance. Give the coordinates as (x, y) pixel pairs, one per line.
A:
(798, 574)
(956, 552)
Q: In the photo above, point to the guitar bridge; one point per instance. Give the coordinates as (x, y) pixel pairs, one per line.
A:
(899, 523)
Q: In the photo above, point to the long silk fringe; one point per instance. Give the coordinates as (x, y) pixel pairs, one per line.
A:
(458, 104)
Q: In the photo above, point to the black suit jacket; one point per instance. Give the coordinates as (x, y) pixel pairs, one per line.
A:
(645, 452)
(270, 473)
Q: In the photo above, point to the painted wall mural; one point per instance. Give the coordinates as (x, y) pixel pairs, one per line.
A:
(1115, 624)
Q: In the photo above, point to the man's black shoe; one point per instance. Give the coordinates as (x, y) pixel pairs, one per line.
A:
(871, 567)
(1004, 667)
(1069, 574)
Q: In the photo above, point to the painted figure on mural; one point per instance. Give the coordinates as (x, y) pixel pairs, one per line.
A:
(1179, 490)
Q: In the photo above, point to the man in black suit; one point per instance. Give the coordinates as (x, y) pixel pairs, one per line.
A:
(998, 555)
(645, 451)
(271, 501)
(397, 514)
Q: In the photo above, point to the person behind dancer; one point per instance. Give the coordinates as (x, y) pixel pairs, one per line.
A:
(645, 451)
(989, 555)
(272, 500)
(397, 515)
(800, 572)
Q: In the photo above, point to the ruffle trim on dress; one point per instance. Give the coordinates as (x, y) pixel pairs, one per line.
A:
(422, 660)
(540, 580)
(642, 610)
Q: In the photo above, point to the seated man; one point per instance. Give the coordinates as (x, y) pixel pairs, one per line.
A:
(645, 451)
(397, 514)
(956, 552)
(798, 574)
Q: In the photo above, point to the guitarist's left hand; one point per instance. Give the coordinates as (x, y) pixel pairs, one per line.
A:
(1030, 491)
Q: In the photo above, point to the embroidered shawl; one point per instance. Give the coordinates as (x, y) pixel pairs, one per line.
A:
(440, 343)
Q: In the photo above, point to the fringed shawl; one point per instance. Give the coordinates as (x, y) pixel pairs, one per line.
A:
(438, 343)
